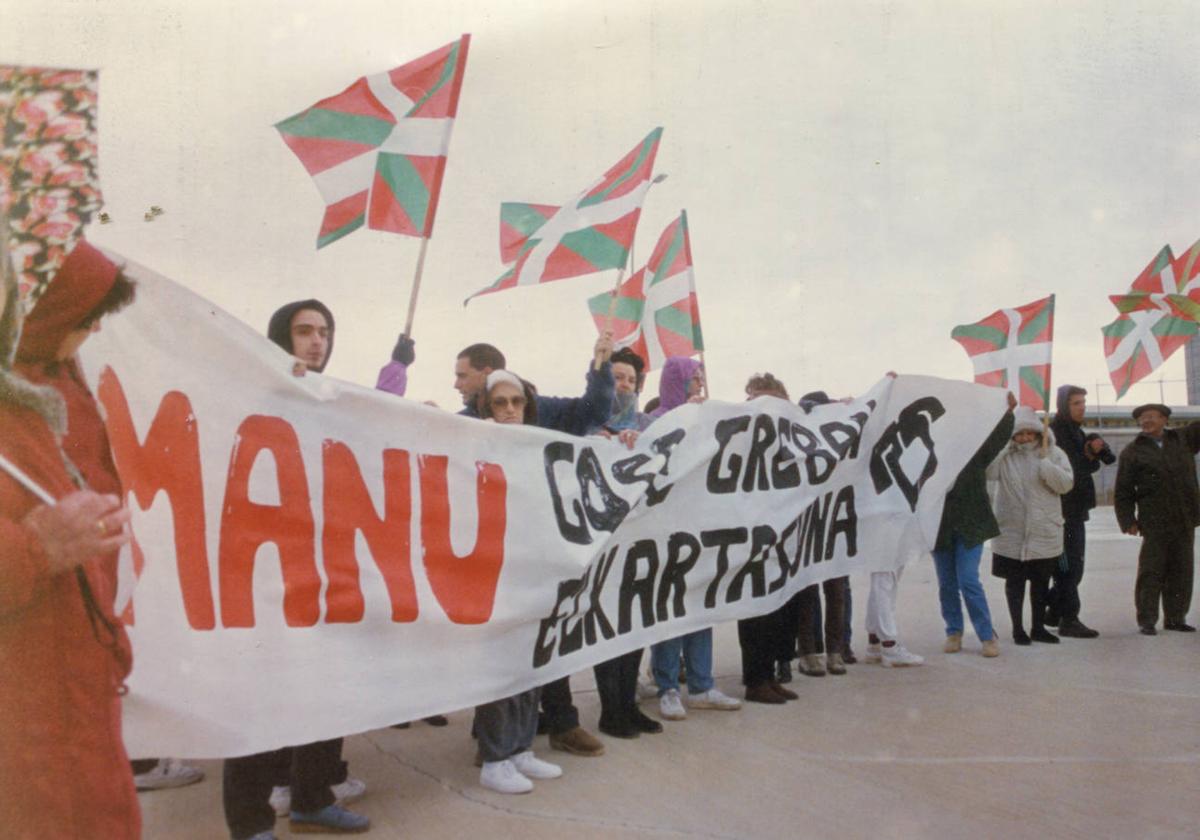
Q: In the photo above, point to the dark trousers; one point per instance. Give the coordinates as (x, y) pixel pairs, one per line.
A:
(1037, 572)
(616, 683)
(248, 781)
(1063, 597)
(559, 714)
(761, 639)
(849, 614)
(506, 727)
(1165, 569)
(835, 617)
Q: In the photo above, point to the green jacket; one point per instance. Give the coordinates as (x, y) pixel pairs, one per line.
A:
(1156, 486)
(968, 512)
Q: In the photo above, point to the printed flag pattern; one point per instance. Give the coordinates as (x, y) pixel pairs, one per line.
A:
(1011, 349)
(592, 232)
(1167, 284)
(1137, 343)
(656, 313)
(49, 186)
(377, 150)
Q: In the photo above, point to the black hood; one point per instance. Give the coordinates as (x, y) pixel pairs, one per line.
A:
(279, 330)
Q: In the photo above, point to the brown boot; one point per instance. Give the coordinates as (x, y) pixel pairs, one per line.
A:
(763, 693)
(577, 741)
(785, 693)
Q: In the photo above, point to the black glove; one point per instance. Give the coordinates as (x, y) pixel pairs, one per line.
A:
(403, 352)
(1105, 455)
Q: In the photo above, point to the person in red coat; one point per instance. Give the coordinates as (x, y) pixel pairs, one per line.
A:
(63, 653)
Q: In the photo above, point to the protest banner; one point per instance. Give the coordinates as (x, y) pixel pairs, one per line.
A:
(318, 559)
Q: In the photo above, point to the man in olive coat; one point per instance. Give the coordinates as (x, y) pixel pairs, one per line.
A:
(1157, 498)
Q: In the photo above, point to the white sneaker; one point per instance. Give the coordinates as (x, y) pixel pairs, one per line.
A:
(874, 654)
(670, 706)
(281, 800)
(349, 791)
(897, 656)
(713, 699)
(168, 773)
(532, 767)
(646, 690)
(504, 777)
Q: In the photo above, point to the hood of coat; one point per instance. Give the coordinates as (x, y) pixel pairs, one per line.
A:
(1026, 420)
(1062, 398)
(673, 384)
(279, 330)
(82, 282)
(15, 389)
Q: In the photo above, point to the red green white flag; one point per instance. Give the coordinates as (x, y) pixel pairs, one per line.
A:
(1137, 343)
(1168, 284)
(656, 312)
(1011, 349)
(377, 150)
(591, 232)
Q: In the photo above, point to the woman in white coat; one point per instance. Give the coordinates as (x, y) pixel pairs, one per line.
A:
(1031, 474)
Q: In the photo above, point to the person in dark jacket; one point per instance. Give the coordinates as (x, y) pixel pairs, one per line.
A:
(1086, 453)
(1157, 498)
(967, 522)
(310, 781)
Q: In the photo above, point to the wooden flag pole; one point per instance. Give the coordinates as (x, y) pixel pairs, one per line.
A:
(612, 308)
(416, 287)
(704, 376)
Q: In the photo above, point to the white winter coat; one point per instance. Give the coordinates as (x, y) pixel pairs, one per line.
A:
(1027, 504)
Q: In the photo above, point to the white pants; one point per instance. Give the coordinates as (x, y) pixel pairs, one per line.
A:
(881, 605)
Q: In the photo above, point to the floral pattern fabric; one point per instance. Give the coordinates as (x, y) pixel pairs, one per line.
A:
(49, 187)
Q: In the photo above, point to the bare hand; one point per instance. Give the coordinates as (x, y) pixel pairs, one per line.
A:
(891, 374)
(299, 368)
(81, 526)
(1012, 401)
(1095, 446)
(628, 437)
(604, 346)
(1133, 531)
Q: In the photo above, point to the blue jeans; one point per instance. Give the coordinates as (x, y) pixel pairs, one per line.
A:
(664, 662)
(958, 573)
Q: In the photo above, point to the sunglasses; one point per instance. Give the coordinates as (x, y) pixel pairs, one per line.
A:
(502, 403)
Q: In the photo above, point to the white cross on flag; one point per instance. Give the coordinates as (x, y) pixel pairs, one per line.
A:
(1011, 349)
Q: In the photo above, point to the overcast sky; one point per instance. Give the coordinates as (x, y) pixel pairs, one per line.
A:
(859, 177)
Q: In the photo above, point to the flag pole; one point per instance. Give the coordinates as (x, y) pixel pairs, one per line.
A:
(25, 481)
(416, 287)
(612, 308)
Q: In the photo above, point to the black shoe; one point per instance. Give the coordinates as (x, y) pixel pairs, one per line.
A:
(848, 656)
(783, 672)
(645, 723)
(1147, 630)
(1076, 630)
(1050, 619)
(625, 729)
(1040, 634)
(437, 720)
(1179, 626)
(401, 725)
(1020, 637)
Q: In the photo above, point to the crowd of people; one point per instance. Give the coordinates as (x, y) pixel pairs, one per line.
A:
(66, 654)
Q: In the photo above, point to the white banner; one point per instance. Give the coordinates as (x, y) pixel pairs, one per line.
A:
(318, 559)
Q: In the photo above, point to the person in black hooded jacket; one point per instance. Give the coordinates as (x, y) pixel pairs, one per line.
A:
(1086, 453)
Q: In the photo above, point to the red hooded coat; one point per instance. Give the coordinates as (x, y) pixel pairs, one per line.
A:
(63, 764)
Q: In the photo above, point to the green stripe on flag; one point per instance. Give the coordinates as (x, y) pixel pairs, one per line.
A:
(1031, 378)
(406, 185)
(989, 335)
(521, 217)
(647, 146)
(668, 259)
(321, 124)
(1036, 325)
(448, 66)
(599, 250)
(346, 229)
(677, 322)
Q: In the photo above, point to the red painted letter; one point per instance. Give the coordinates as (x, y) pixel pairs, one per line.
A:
(245, 525)
(169, 460)
(464, 586)
(349, 509)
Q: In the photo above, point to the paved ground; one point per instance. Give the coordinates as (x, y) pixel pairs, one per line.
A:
(1088, 739)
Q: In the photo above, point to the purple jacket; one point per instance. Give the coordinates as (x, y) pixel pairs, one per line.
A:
(673, 384)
